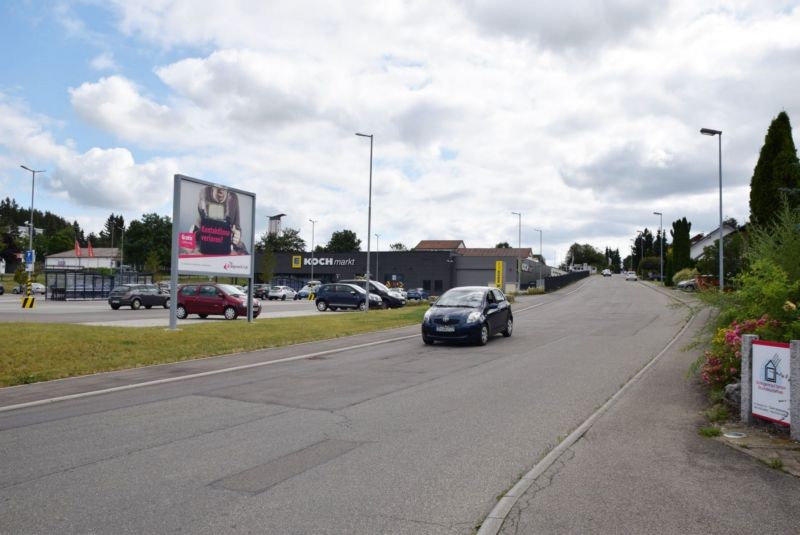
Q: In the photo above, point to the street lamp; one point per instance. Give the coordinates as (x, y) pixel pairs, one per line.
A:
(30, 238)
(541, 253)
(641, 251)
(121, 247)
(710, 132)
(661, 242)
(377, 252)
(519, 248)
(369, 216)
(313, 223)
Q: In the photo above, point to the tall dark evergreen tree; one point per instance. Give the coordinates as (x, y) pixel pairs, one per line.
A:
(681, 245)
(776, 175)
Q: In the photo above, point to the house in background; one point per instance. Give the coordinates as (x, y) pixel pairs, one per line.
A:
(700, 242)
(103, 257)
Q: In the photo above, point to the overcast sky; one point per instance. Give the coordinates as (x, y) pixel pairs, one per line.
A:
(582, 115)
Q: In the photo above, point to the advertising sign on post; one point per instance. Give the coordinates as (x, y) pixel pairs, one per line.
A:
(498, 273)
(770, 378)
(214, 228)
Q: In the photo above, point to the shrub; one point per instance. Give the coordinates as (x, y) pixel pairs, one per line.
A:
(684, 275)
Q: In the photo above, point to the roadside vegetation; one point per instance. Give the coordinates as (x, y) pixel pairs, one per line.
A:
(34, 352)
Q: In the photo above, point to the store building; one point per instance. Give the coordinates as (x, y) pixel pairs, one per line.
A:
(433, 265)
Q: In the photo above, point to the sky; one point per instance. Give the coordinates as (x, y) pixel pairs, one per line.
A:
(583, 116)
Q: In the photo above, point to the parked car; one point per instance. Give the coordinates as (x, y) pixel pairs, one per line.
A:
(280, 292)
(164, 286)
(389, 299)
(137, 296)
(36, 288)
(305, 291)
(261, 290)
(399, 291)
(606, 272)
(701, 282)
(468, 313)
(631, 276)
(417, 293)
(341, 295)
(205, 299)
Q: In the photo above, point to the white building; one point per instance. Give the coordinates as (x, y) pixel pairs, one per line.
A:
(696, 250)
(104, 257)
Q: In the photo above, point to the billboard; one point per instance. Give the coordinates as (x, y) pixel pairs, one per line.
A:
(213, 228)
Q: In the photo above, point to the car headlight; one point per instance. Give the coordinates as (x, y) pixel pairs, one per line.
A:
(427, 317)
(475, 317)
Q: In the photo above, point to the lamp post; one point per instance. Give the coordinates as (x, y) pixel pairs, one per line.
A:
(121, 247)
(313, 223)
(661, 242)
(710, 132)
(541, 252)
(369, 216)
(640, 233)
(30, 237)
(519, 247)
(377, 252)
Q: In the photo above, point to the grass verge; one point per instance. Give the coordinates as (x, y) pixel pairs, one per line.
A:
(34, 352)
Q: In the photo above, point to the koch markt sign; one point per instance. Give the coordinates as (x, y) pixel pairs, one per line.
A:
(299, 261)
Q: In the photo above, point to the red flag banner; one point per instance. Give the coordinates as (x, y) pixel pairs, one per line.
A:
(91, 249)
(77, 248)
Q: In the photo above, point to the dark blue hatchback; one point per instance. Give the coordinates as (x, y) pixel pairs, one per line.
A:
(468, 314)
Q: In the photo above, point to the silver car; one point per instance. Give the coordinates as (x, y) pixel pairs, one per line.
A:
(280, 292)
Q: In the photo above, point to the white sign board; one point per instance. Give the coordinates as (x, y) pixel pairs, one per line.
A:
(771, 381)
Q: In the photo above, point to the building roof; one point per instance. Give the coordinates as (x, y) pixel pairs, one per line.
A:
(525, 252)
(439, 245)
(99, 252)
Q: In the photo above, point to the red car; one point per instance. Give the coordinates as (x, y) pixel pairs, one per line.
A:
(205, 299)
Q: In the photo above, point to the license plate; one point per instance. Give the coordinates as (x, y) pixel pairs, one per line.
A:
(445, 328)
(115, 301)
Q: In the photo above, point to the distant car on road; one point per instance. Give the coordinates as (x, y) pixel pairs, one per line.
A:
(36, 288)
(280, 292)
(631, 276)
(468, 313)
(137, 296)
(417, 294)
(606, 272)
(205, 299)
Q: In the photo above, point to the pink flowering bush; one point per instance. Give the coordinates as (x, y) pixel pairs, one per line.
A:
(722, 363)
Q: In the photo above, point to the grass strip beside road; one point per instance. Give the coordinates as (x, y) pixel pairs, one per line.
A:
(34, 352)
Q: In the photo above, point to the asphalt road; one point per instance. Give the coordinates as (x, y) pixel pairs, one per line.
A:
(100, 313)
(392, 437)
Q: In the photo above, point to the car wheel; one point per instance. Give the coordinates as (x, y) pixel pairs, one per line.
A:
(136, 304)
(230, 313)
(166, 302)
(509, 327)
(322, 306)
(427, 341)
(283, 298)
(115, 307)
(204, 316)
(180, 312)
(362, 306)
(483, 339)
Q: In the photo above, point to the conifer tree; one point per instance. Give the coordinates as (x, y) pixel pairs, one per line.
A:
(776, 175)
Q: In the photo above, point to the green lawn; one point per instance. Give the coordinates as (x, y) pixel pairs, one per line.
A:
(33, 352)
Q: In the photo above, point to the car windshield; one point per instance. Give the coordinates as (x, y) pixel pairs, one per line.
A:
(231, 290)
(461, 297)
(380, 286)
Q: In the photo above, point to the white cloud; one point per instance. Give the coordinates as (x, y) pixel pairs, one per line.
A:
(104, 62)
(584, 116)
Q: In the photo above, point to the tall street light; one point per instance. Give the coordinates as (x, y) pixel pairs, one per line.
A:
(661, 242)
(377, 252)
(30, 238)
(313, 223)
(369, 216)
(122, 247)
(541, 253)
(641, 250)
(710, 132)
(519, 248)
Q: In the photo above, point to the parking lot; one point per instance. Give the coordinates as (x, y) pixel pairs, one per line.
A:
(100, 313)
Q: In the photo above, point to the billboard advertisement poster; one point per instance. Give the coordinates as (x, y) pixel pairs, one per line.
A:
(214, 228)
(771, 381)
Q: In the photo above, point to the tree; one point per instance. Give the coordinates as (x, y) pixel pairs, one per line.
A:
(732, 263)
(502, 245)
(586, 254)
(398, 247)
(288, 241)
(152, 234)
(681, 244)
(777, 173)
(343, 241)
(152, 262)
(267, 265)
